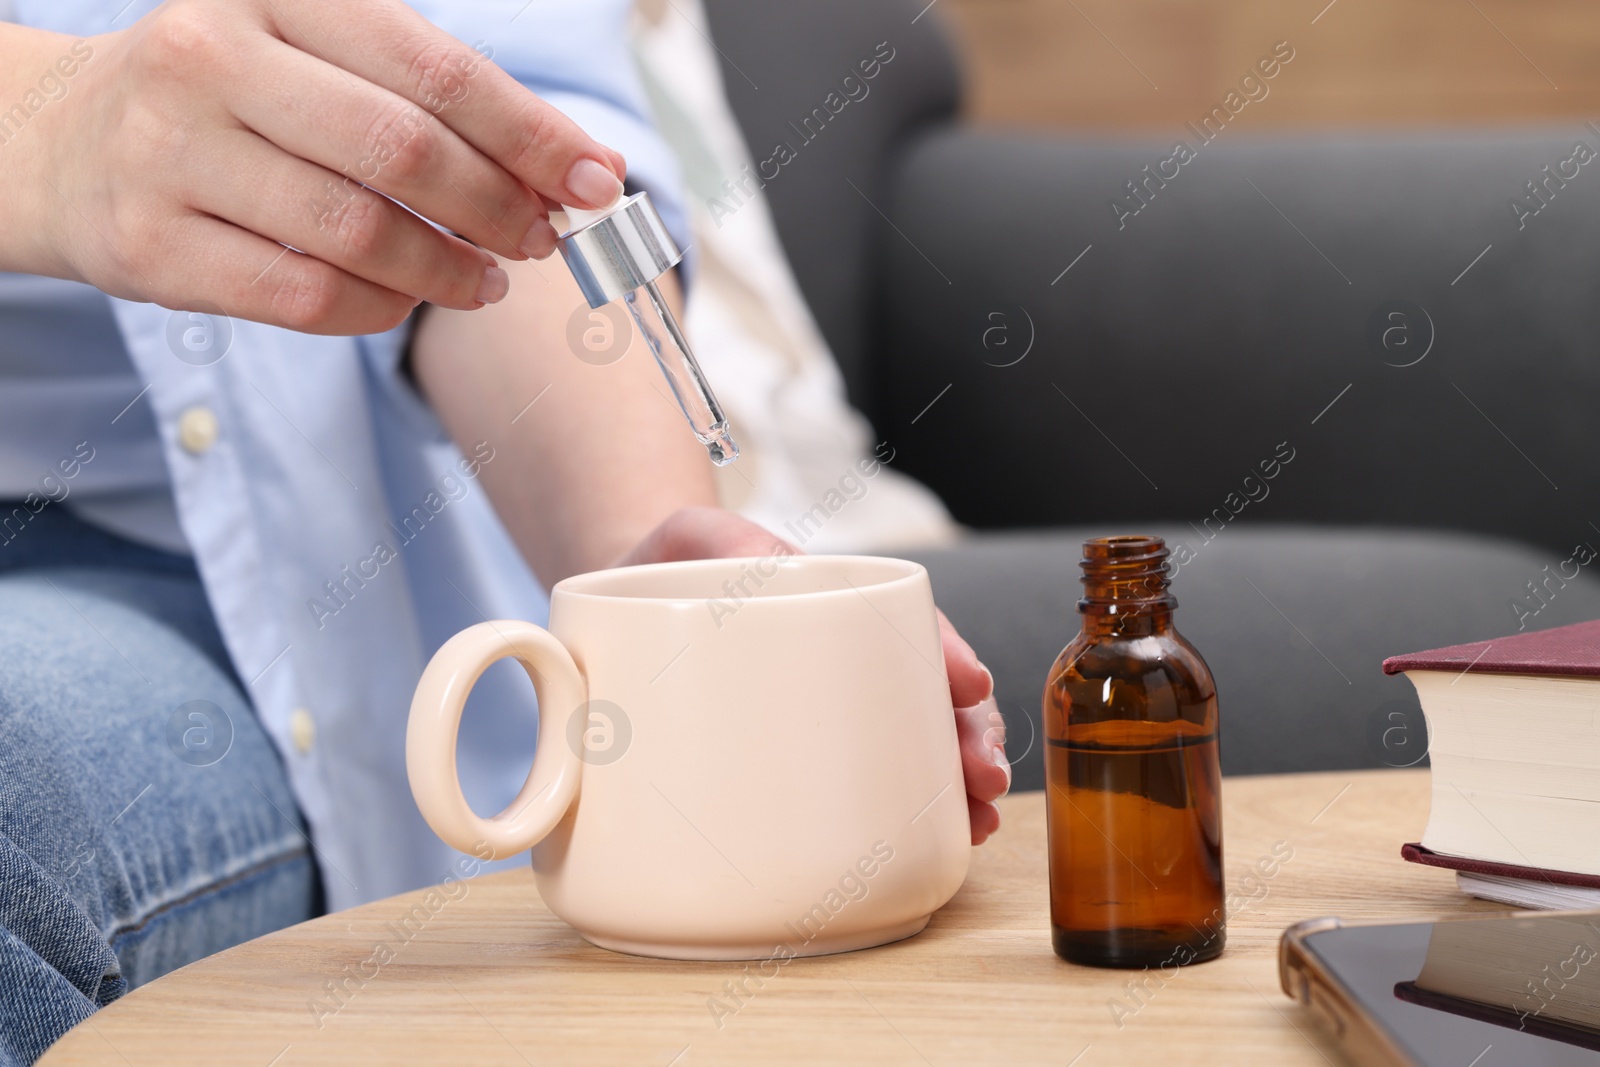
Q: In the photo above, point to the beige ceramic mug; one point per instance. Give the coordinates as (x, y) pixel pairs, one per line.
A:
(737, 759)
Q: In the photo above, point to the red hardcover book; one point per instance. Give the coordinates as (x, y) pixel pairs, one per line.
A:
(1415, 853)
(1567, 650)
(1514, 745)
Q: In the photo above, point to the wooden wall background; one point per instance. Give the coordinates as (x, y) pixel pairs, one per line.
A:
(1153, 64)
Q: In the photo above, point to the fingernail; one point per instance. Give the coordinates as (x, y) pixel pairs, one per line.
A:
(494, 287)
(592, 184)
(998, 754)
(989, 692)
(540, 240)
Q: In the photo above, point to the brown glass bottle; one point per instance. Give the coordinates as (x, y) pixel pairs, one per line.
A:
(1132, 774)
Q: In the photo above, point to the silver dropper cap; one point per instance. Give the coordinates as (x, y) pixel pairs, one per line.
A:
(619, 256)
(614, 255)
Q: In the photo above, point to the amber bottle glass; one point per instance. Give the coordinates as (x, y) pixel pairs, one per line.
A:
(1132, 774)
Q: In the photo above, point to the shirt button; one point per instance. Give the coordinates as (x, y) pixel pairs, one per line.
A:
(197, 430)
(302, 730)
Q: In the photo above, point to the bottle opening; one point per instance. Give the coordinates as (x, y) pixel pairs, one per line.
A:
(1123, 547)
(1124, 573)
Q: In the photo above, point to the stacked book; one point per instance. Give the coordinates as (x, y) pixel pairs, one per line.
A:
(1514, 741)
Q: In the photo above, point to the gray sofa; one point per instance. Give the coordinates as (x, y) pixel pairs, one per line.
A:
(1374, 306)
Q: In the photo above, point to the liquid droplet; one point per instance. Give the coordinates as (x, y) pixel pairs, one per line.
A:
(721, 446)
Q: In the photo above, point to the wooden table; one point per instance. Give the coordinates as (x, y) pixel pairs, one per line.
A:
(494, 978)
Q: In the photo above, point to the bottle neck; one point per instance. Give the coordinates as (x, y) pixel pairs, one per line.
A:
(1147, 624)
(1125, 587)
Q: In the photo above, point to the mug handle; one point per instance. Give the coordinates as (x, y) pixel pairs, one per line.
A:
(436, 719)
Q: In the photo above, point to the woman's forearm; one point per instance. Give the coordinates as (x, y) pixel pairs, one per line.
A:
(38, 69)
(589, 455)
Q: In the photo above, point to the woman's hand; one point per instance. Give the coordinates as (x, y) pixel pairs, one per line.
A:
(711, 533)
(226, 156)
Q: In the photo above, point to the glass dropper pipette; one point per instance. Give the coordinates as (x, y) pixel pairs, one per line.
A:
(619, 252)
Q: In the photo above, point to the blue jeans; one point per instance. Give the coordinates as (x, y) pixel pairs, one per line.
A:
(145, 819)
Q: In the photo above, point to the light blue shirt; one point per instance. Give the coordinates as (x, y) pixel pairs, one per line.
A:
(65, 378)
(341, 536)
